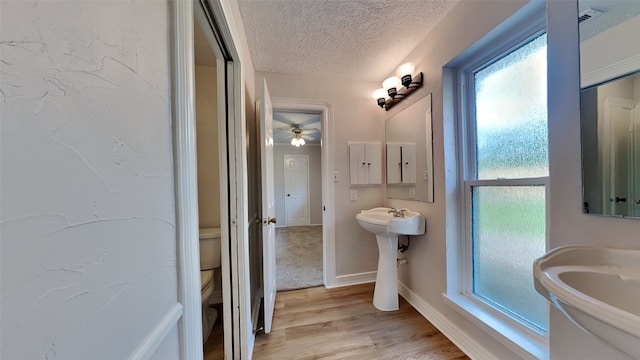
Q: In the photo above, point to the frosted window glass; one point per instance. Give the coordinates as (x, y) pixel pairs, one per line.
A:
(511, 114)
(508, 226)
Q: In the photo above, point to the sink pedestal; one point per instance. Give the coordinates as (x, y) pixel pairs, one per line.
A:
(385, 295)
(386, 224)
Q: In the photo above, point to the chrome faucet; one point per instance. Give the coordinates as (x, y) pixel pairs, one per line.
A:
(396, 213)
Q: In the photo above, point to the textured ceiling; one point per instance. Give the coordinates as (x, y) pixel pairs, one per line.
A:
(364, 39)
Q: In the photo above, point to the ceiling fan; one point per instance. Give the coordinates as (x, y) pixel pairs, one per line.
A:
(298, 135)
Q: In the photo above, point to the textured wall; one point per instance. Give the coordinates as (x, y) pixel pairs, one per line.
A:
(88, 237)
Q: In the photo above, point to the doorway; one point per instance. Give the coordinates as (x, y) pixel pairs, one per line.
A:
(313, 120)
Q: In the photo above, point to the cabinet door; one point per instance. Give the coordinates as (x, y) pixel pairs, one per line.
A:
(357, 164)
(373, 156)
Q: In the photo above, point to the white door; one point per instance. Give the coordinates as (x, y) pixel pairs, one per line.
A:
(618, 177)
(296, 189)
(268, 207)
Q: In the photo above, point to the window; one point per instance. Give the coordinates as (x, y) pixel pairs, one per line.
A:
(506, 173)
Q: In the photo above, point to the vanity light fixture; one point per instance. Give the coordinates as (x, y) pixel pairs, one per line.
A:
(397, 88)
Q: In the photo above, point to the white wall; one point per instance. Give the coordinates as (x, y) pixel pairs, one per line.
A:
(355, 117)
(315, 180)
(568, 225)
(88, 232)
(207, 147)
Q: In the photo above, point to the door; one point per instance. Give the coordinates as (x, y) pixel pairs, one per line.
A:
(296, 189)
(265, 113)
(618, 122)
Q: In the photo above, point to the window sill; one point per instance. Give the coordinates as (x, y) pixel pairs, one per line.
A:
(523, 341)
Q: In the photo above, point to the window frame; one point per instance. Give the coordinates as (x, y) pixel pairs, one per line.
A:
(523, 339)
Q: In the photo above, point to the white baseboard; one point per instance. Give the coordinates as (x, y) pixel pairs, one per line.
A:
(151, 343)
(457, 335)
(352, 279)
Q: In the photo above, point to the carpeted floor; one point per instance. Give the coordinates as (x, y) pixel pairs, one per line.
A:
(298, 257)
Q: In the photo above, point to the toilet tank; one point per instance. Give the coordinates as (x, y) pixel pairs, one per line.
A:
(209, 248)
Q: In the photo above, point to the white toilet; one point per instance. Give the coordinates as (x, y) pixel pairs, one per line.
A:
(209, 262)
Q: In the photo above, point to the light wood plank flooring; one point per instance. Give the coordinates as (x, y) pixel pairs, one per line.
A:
(342, 323)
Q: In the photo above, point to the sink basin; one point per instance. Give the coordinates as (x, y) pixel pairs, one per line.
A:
(598, 289)
(380, 221)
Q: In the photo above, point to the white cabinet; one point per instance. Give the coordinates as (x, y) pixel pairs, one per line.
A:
(365, 163)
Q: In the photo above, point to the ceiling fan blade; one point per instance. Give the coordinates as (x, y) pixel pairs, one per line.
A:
(307, 137)
(310, 131)
(313, 118)
(277, 124)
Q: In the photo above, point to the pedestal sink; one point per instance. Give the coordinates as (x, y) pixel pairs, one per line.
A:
(386, 224)
(598, 289)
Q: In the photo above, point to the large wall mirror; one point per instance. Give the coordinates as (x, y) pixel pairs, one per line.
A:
(409, 147)
(610, 106)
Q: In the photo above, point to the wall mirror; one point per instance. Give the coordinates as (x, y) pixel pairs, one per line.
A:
(610, 106)
(409, 149)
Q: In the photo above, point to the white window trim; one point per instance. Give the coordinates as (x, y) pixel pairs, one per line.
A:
(523, 340)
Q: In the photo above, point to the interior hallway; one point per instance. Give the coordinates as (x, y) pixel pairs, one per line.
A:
(341, 323)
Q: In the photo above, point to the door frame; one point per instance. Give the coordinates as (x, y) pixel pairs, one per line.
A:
(233, 181)
(328, 186)
(308, 205)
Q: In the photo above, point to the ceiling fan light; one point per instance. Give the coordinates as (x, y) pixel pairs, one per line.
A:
(301, 141)
(293, 141)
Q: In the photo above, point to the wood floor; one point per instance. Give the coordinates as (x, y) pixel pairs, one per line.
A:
(319, 323)
(214, 347)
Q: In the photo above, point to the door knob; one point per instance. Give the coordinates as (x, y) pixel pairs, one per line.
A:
(270, 220)
(638, 201)
(621, 199)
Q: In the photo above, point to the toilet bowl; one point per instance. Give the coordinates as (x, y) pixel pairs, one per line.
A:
(210, 261)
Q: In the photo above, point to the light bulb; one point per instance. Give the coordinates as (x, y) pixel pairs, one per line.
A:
(380, 95)
(293, 141)
(301, 141)
(391, 84)
(405, 71)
